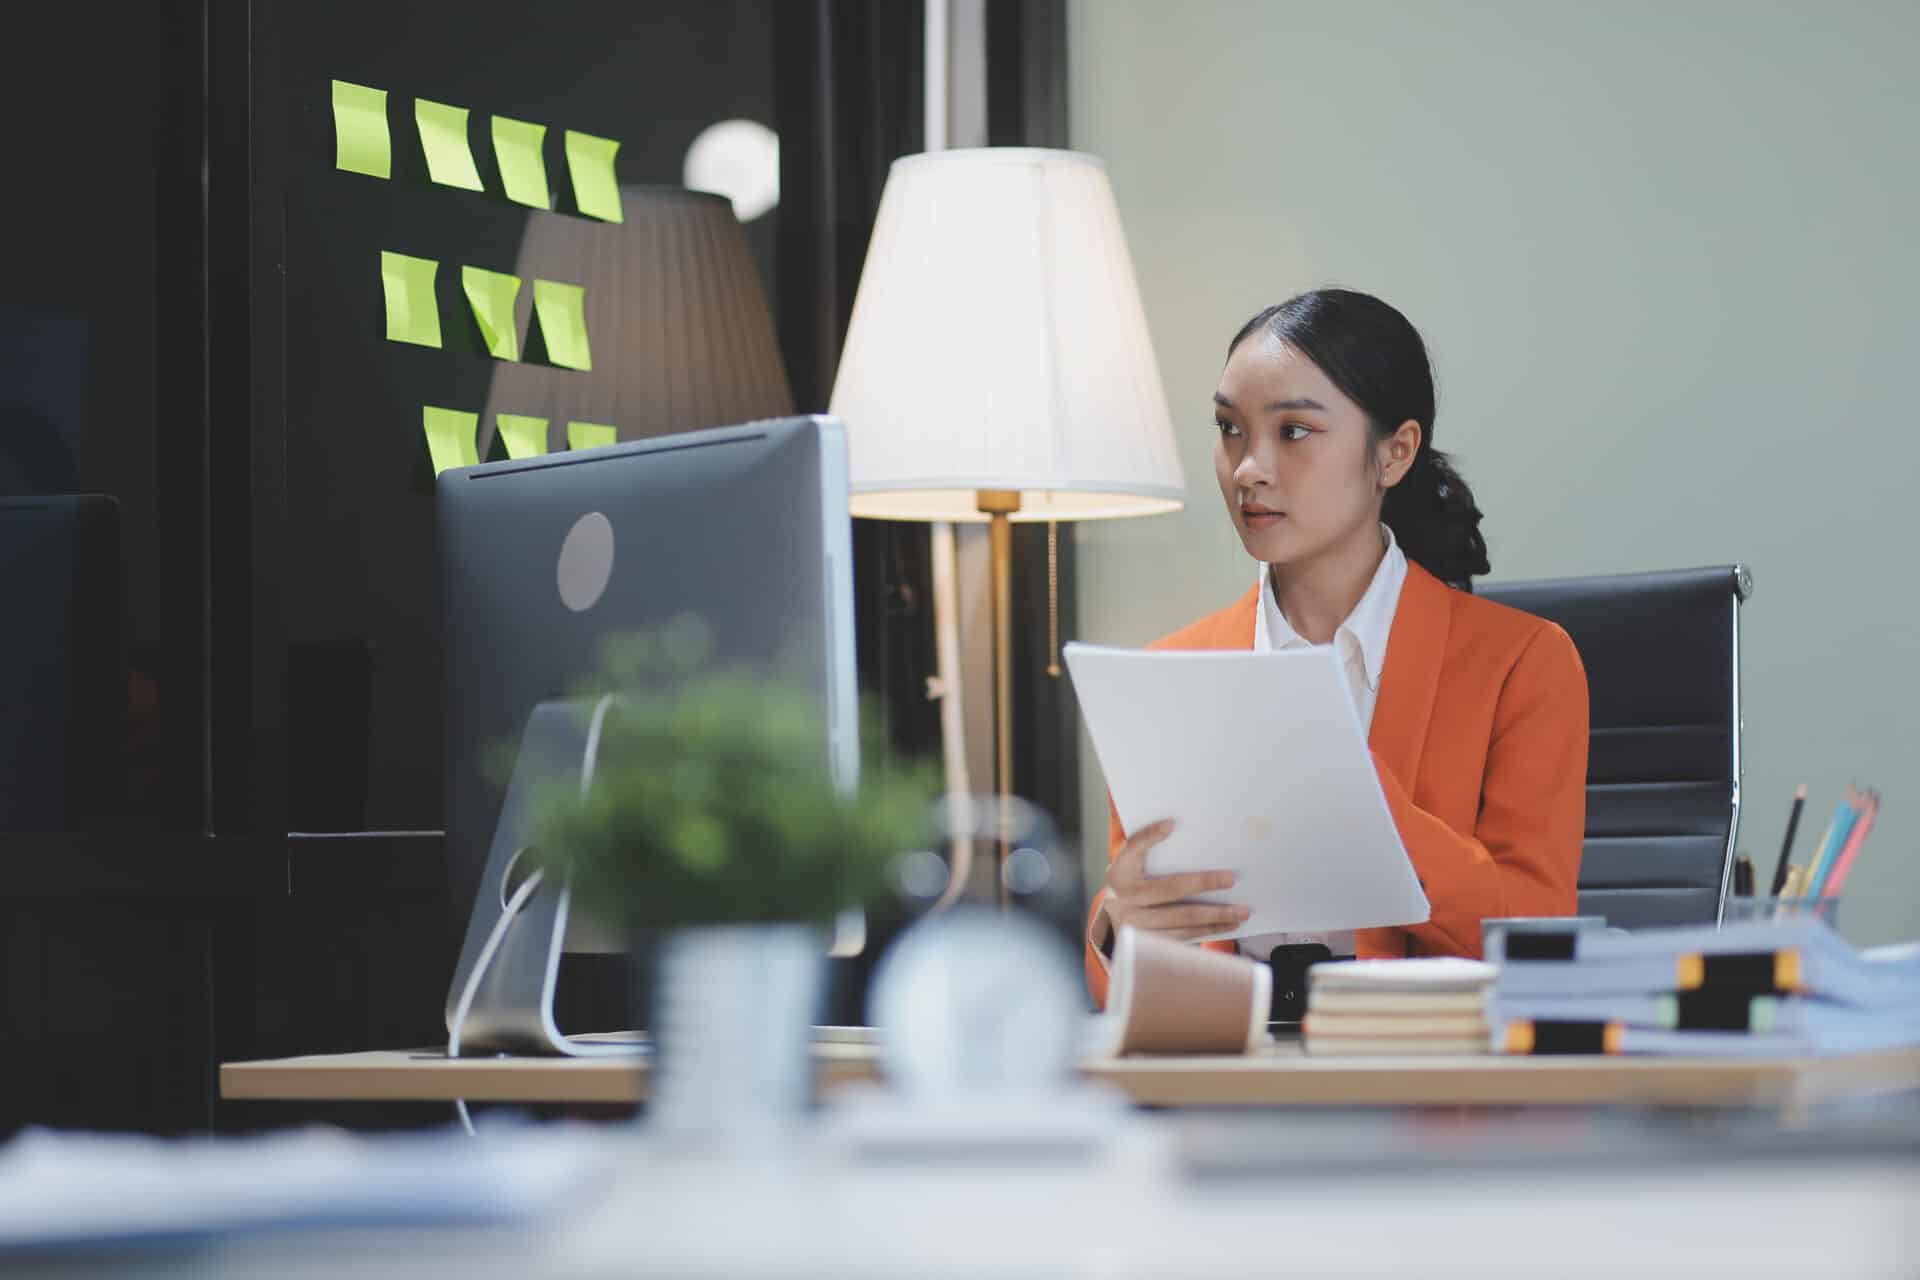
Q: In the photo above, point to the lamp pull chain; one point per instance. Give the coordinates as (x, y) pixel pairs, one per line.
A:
(1053, 599)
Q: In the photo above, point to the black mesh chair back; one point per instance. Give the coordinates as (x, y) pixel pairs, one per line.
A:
(1662, 652)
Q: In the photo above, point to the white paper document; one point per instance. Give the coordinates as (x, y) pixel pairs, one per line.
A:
(1260, 761)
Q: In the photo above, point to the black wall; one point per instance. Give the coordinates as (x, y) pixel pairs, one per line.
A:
(185, 313)
(359, 587)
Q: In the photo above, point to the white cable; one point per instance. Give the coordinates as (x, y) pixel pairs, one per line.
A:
(933, 55)
(936, 73)
(480, 965)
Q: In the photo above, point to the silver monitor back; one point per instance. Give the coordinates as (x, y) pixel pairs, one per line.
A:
(543, 559)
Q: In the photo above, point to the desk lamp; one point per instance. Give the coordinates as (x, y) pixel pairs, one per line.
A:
(997, 366)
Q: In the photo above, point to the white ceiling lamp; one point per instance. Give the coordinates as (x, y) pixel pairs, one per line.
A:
(739, 159)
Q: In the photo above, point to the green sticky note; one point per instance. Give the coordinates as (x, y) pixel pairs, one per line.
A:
(523, 169)
(595, 189)
(360, 141)
(491, 296)
(413, 314)
(589, 435)
(525, 437)
(443, 136)
(563, 323)
(452, 437)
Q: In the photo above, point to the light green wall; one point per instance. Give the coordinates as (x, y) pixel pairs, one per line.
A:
(1665, 258)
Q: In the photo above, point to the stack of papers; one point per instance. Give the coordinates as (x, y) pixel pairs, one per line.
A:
(1423, 1006)
(1297, 814)
(1756, 989)
(84, 1189)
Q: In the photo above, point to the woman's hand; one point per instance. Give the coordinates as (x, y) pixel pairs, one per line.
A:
(1158, 904)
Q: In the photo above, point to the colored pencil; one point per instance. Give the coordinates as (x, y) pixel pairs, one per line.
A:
(1786, 845)
(1843, 821)
(1844, 863)
(1825, 837)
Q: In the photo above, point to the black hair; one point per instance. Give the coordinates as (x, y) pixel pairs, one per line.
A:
(1375, 356)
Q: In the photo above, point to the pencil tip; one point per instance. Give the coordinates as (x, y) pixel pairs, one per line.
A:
(1800, 792)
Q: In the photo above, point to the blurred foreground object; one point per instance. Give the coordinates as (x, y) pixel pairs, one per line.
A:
(981, 1016)
(709, 814)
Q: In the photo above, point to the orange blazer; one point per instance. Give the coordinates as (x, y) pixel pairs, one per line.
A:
(1480, 739)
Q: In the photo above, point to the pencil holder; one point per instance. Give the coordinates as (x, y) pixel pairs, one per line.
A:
(1746, 909)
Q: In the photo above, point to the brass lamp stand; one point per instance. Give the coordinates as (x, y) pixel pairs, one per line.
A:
(999, 506)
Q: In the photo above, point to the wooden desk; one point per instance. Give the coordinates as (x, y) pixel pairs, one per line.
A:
(1283, 1076)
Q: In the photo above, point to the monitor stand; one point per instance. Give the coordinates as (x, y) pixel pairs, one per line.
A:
(509, 1008)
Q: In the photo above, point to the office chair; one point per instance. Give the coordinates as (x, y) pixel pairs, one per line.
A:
(1662, 652)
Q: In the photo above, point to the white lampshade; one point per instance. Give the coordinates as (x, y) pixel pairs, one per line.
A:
(997, 343)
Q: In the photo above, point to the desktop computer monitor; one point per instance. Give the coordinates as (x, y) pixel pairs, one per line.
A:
(543, 559)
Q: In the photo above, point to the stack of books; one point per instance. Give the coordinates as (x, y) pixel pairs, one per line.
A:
(1424, 1006)
(1761, 988)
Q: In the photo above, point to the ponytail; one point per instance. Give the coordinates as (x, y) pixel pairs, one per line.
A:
(1435, 522)
(1375, 356)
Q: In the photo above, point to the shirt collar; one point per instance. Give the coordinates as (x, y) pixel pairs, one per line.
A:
(1369, 625)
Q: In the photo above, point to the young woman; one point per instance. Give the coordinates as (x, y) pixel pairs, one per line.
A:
(1368, 540)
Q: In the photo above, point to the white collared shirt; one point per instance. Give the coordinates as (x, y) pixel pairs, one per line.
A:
(1361, 645)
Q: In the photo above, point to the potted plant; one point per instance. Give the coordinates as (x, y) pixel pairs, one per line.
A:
(713, 823)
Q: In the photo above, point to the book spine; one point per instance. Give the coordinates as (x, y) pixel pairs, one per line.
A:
(1754, 973)
(1533, 947)
(1542, 1037)
(1713, 1010)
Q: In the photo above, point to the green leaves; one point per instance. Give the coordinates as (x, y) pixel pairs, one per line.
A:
(713, 803)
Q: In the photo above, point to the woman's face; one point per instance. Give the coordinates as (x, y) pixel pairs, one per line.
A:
(1295, 457)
